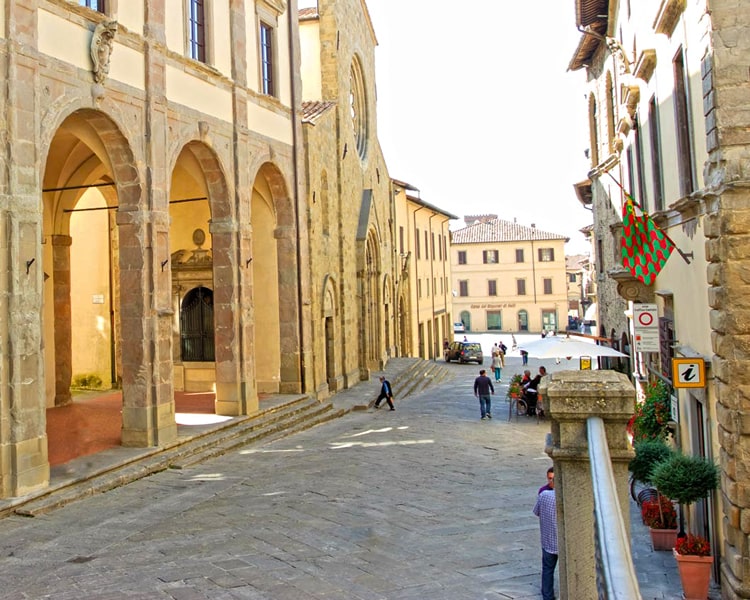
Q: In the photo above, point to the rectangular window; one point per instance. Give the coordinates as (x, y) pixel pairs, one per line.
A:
(463, 287)
(97, 5)
(519, 255)
(653, 126)
(492, 287)
(490, 257)
(419, 288)
(682, 124)
(572, 278)
(462, 257)
(417, 244)
(267, 60)
(494, 320)
(546, 255)
(426, 246)
(432, 245)
(401, 239)
(547, 281)
(521, 287)
(197, 30)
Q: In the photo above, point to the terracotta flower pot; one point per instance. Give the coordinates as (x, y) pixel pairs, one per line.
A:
(695, 574)
(663, 539)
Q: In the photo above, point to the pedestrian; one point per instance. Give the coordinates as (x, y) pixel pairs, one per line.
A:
(524, 357)
(514, 346)
(546, 509)
(498, 362)
(531, 389)
(550, 481)
(483, 389)
(386, 393)
(465, 340)
(446, 348)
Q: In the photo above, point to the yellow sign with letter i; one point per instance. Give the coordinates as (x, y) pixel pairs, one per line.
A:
(688, 373)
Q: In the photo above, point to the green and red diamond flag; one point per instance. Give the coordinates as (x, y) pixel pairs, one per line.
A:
(645, 247)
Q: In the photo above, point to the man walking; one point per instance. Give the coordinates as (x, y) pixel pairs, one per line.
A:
(482, 389)
(386, 393)
(546, 509)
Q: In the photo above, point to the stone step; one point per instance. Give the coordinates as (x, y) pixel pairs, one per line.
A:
(273, 423)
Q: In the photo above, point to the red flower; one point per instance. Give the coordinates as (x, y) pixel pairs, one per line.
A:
(666, 518)
(693, 545)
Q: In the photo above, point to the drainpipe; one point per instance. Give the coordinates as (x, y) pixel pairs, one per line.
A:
(292, 7)
(416, 266)
(433, 350)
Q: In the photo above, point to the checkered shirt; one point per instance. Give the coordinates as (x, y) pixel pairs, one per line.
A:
(546, 509)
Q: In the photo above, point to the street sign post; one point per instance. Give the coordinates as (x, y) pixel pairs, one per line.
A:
(646, 327)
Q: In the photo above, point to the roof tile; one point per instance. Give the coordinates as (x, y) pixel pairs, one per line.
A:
(498, 230)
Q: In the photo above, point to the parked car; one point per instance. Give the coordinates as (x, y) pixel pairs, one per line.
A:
(458, 327)
(464, 352)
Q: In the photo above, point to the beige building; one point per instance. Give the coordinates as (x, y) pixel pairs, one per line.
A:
(174, 218)
(508, 277)
(668, 119)
(424, 299)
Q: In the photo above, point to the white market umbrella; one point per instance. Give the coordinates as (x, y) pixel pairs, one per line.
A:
(555, 346)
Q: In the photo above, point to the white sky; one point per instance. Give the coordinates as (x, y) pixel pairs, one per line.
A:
(476, 108)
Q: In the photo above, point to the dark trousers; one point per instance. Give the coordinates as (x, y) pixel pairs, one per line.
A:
(381, 398)
(549, 562)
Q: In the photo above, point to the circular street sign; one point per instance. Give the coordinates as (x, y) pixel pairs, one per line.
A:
(645, 319)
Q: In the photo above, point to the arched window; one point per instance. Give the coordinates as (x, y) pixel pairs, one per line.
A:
(197, 326)
(358, 108)
(610, 113)
(593, 132)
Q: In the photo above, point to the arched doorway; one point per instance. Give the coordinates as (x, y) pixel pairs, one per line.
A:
(197, 326)
(466, 319)
(275, 294)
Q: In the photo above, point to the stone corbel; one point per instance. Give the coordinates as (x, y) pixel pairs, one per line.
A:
(630, 288)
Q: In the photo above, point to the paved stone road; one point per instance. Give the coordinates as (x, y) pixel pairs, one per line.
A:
(427, 502)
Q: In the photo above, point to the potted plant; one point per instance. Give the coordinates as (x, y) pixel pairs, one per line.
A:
(514, 387)
(648, 453)
(651, 417)
(661, 518)
(687, 479)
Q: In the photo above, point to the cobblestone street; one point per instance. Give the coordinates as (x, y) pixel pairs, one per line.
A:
(427, 502)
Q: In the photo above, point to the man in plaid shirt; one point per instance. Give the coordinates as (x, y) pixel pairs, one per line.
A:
(546, 509)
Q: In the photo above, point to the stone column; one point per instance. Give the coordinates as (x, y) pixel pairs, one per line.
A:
(572, 397)
(63, 327)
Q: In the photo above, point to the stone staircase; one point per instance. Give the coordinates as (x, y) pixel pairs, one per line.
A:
(284, 416)
(296, 414)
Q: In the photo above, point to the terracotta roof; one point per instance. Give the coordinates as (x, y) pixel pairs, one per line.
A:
(498, 230)
(312, 110)
(308, 14)
(575, 261)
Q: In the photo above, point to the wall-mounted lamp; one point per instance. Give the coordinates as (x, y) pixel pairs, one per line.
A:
(248, 261)
(164, 263)
(346, 149)
(28, 264)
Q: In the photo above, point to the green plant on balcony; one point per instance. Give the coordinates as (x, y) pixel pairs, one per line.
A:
(651, 417)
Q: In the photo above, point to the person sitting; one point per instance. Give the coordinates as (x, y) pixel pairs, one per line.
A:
(531, 394)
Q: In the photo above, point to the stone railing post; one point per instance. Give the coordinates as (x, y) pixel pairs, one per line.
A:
(570, 397)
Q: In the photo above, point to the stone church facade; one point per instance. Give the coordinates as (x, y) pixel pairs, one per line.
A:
(186, 205)
(668, 121)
